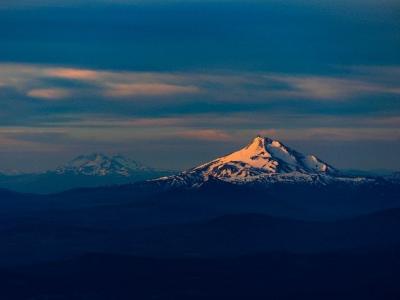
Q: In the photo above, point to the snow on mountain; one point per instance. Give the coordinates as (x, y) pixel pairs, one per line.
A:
(264, 160)
(264, 156)
(97, 164)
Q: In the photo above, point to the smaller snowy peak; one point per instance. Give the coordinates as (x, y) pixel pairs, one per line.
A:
(98, 164)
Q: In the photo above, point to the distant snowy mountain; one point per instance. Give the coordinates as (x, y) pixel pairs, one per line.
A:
(90, 170)
(97, 164)
(264, 160)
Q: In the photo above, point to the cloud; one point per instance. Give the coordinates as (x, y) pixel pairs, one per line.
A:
(148, 89)
(329, 88)
(222, 87)
(71, 73)
(41, 82)
(215, 107)
(205, 135)
(102, 121)
(49, 94)
(334, 134)
(26, 139)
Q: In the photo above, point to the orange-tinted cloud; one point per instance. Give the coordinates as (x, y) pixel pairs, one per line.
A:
(223, 87)
(206, 134)
(49, 94)
(148, 89)
(70, 73)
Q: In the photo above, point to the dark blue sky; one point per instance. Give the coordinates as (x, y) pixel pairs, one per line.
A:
(175, 83)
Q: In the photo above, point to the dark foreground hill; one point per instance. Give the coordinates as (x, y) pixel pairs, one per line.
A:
(323, 241)
(58, 235)
(341, 276)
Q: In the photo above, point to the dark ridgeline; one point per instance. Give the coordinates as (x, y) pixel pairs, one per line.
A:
(265, 222)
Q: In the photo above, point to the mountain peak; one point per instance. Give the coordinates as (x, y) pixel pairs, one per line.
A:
(262, 159)
(257, 143)
(260, 143)
(266, 155)
(99, 164)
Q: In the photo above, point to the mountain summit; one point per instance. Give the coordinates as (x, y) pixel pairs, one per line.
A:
(263, 160)
(264, 156)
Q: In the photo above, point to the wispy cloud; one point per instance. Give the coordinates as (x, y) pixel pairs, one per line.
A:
(205, 134)
(107, 106)
(26, 139)
(33, 80)
(36, 81)
(335, 134)
(71, 73)
(331, 88)
(49, 94)
(148, 89)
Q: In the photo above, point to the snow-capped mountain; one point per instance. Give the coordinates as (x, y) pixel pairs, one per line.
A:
(90, 170)
(264, 160)
(97, 164)
(264, 156)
